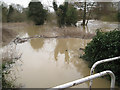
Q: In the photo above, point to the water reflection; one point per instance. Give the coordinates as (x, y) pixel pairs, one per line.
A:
(66, 46)
(37, 43)
(56, 62)
(70, 48)
(32, 30)
(62, 48)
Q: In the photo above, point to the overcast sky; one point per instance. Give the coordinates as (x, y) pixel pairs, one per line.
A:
(47, 3)
(25, 3)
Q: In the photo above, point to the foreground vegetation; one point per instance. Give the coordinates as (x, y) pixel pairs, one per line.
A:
(105, 45)
(5, 82)
(9, 58)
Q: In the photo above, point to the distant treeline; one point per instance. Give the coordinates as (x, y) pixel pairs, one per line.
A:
(13, 13)
(66, 14)
(16, 13)
(106, 11)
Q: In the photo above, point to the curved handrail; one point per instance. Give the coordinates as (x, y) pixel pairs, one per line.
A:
(79, 81)
(99, 62)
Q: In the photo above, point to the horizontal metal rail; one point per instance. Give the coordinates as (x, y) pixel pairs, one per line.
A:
(100, 62)
(79, 81)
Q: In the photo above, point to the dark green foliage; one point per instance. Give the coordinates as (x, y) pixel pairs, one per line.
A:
(105, 45)
(71, 15)
(61, 13)
(60, 17)
(6, 83)
(66, 14)
(10, 13)
(18, 17)
(37, 13)
(55, 6)
(4, 13)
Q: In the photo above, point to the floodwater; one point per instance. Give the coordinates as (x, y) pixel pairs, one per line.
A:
(97, 24)
(48, 62)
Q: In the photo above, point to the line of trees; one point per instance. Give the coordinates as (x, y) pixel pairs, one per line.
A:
(36, 13)
(106, 11)
(12, 14)
(85, 11)
(67, 14)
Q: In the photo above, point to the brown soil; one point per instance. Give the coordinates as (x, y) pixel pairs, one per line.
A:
(10, 30)
(7, 35)
(74, 33)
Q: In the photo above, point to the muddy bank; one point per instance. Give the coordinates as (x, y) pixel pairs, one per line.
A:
(48, 30)
(7, 35)
(10, 30)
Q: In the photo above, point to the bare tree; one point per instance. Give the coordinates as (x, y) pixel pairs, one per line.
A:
(84, 15)
(86, 7)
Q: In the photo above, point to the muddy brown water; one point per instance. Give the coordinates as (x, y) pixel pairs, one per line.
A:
(50, 62)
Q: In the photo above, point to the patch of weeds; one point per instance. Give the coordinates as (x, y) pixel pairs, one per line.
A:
(9, 57)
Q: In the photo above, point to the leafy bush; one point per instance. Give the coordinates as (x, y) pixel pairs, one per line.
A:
(10, 13)
(61, 14)
(37, 13)
(55, 6)
(71, 16)
(5, 71)
(66, 14)
(4, 13)
(105, 45)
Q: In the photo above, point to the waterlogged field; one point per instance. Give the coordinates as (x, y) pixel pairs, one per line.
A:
(48, 62)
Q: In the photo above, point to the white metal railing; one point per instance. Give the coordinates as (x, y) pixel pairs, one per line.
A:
(79, 81)
(100, 62)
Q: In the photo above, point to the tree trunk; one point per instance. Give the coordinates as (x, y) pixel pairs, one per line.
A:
(84, 15)
(89, 14)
